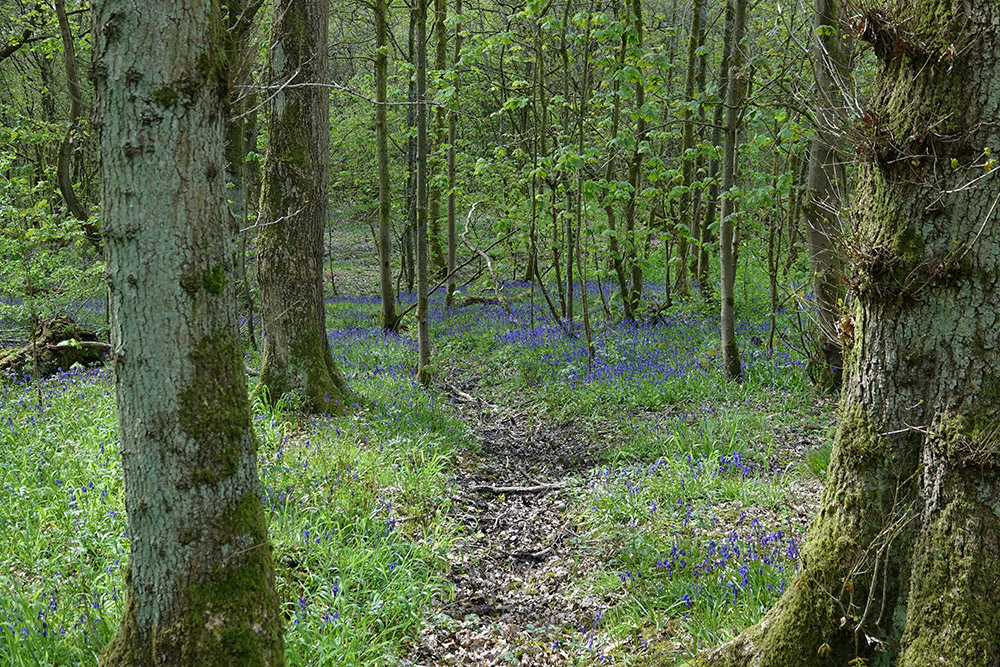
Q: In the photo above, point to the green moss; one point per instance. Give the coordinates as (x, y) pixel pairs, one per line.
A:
(967, 439)
(165, 96)
(953, 604)
(295, 150)
(215, 411)
(232, 614)
(858, 437)
(214, 280)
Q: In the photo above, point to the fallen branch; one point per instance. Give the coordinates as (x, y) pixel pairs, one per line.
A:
(532, 555)
(458, 393)
(517, 490)
(485, 257)
(444, 280)
(80, 343)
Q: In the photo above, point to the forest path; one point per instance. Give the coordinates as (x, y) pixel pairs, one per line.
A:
(518, 552)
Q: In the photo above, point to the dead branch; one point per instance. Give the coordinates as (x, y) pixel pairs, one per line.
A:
(517, 490)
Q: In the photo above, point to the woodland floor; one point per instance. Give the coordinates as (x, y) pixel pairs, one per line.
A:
(516, 567)
(535, 506)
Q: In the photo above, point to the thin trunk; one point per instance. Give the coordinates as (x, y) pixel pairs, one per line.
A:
(68, 148)
(699, 197)
(434, 160)
(734, 107)
(452, 179)
(635, 166)
(614, 242)
(241, 130)
(410, 232)
(685, 225)
(722, 93)
(823, 203)
(382, 148)
(423, 304)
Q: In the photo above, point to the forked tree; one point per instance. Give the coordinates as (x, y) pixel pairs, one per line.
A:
(294, 204)
(902, 563)
(200, 584)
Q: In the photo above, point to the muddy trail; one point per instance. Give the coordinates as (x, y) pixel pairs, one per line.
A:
(519, 548)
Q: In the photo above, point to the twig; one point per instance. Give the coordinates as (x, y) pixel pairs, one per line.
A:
(517, 490)
(486, 258)
(532, 555)
(80, 343)
(458, 268)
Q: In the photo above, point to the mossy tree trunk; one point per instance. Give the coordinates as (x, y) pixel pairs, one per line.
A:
(453, 176)
(823, 201)
(294, 205)
(241, 136)
(200, 583)
(905, 552)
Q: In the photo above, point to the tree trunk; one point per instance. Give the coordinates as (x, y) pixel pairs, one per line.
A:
(452, 179)
(734, 105)
(711, 205)
(609, 208)
(635, 166)
(68, 146)
(382, 147)
(905, 552)
(200, 584)
(683, 287)
(434, 190)
(823, 203)
(240, 131)
(410, 231)
(294, 204)
(423, 301)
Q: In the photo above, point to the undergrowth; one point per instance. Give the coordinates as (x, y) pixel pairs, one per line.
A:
(687, 512)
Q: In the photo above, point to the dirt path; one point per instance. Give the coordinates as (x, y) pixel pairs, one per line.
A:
(511, 567)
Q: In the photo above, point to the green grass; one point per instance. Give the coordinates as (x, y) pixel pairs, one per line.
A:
(355, 507)
(692, 469)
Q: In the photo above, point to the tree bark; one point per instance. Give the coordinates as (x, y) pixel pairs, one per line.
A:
(68, 147)
(423, 301)
(734, 106)
(635, 165)
(683, 283)
(617, 260)
(240, 132)
(904, 554)
(294, 204)
(434, 190)
(382, 147)
(823, 235)
(452, 177)
(711, 205)
(200, 583)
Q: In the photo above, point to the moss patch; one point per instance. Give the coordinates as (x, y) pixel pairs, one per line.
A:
(214, 280)
(215, 411)
(165, 96)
